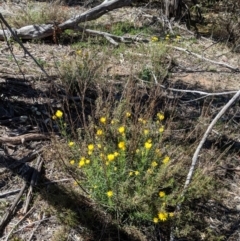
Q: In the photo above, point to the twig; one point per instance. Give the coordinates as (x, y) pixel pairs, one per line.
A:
(196, 154)
(10, 211)
(206, 59)
(33, 182)
(9, 193)
(20, 43)
(209, 129)
(11, 231)
(38, 224)
(23, 138)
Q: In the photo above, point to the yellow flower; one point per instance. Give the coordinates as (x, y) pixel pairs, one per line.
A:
(160, 116)
(162, 216)
(137, 173)
(81, 162)
(103, 120)
(128, 114)
(110, 193)
(154, 164)
(72, 162)
(121, 130)
(162, 194)
(99, 146)
(161, 129)
(87, 161)
(166, 159)
(90, 147)
(154, 39)
(148, 145)
(137, 151)
(99, 132)
(146, 132)
(121, 145)
(141, 120)
(171, 214)
(71, 143)
(54, 117)
(116, 154)
(155, 220)
(149, 171)
(130, 173)
(59, 114)
(110, 157)
(149, 141)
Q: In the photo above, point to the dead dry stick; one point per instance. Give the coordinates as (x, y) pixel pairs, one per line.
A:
(209, 129)
(11, 231)
(23, 138)
(205, 59)
(10, 211)
(15, 36)
(33, 182)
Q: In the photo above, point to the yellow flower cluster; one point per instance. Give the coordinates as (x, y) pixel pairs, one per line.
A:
(154, 39)
(163, 216)
(58, 114)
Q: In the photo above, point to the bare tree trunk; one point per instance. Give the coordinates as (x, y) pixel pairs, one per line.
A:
(173, 9)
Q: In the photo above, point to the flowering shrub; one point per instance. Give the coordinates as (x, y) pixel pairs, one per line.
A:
(124, 168)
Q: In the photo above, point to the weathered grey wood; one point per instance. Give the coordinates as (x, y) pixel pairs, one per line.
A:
(46, 30)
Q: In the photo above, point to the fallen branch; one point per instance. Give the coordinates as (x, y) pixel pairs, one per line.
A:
(33, 182)
(14, 227)
(45, 30)
(10, 210)
(209, 129)
(206, 59)
(23, 138)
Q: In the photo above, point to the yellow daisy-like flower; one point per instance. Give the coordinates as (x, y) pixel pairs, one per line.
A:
(137, 173)
(99, 146)
(103, 120)
(148, 145)
(59, 114)
(149, 171)
(130, 173)
(166, 160)
(110, 157)
(54, 117)
(71, 143)
(72, 162)
(87, 161)
(99, 132)
(110, 194)
(160, 116)
(90, 147)
(161, 129)
(121, 130)
(116, 154)
(155, 220)
(162, 194)
(81, 162)
(162, 216)
(146, 132)
(154, 39)
(154, 164)
(121, 145)
(128, 114)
